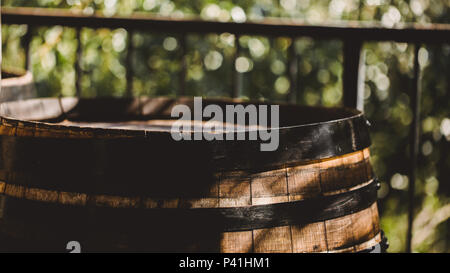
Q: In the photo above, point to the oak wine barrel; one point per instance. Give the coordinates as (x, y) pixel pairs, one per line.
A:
(106, 172)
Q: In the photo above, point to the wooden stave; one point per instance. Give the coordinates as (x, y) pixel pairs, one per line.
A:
(107, 231)
(90, 206)
(326, 177)
(324, 236)
(195, 247)
(235, 218)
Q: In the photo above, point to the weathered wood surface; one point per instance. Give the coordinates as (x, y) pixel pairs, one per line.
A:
(136, 189)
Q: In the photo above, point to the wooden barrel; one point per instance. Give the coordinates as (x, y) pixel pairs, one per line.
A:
(108, 174)
(17, 85)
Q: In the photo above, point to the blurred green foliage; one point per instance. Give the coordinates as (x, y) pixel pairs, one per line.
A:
(263, 67)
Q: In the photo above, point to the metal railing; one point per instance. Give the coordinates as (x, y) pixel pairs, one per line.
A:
(353, 35)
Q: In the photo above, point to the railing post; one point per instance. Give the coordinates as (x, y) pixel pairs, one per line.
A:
(129, 65)
(352, 52)
(183, 68)
(78, 70)
(293, 72)
(237, 76)
(414, 138)
(27, 41)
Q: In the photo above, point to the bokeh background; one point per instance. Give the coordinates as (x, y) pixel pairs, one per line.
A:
(263, 66)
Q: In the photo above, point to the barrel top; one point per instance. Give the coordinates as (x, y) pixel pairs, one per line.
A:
(305, 133)
(101, 111)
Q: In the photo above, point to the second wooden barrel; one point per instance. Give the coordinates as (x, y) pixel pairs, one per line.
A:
(17, 85)
(108, 174)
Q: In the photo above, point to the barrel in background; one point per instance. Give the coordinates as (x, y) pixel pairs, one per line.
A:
(17, 85)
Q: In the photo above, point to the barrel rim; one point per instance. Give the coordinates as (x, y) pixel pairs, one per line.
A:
(298, 143)
(19, 77)
(47, 122)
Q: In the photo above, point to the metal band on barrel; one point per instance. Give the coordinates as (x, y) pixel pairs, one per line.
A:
(226, 219)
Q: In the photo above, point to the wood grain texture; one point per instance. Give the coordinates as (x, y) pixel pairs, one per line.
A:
(272, 240)
(236, 242)
(351, 233)
(309, 238)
